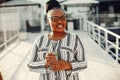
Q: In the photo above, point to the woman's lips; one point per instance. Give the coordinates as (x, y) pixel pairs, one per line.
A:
(60, 26)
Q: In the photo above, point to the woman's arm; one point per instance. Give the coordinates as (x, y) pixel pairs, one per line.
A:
(80, 61)
(61, 65)
(35, 64)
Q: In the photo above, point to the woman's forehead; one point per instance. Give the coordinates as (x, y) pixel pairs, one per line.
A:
(55, 12)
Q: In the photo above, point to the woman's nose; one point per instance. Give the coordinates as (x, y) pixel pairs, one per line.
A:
(59, 21)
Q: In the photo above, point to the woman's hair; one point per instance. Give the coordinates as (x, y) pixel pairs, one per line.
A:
(51, 4)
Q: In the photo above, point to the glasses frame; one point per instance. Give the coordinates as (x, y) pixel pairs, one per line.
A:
(61, 18)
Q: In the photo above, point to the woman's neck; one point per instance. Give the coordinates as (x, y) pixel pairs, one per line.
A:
(57, 35)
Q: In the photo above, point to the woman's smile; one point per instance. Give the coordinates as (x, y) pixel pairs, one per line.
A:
(60, 26)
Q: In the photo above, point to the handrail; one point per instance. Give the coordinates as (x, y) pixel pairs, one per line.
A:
(97, 33)
(4, 44)
(9, 28)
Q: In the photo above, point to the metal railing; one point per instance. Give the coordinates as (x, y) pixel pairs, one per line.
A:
(8, 31)
(101, 36)
(6, 39)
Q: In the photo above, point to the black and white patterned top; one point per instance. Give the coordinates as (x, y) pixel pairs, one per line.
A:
(69, 49)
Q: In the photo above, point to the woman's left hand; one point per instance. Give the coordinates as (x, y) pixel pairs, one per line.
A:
(61, 65)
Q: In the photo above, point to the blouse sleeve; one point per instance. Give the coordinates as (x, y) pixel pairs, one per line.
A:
(35, 64)
(79, 62)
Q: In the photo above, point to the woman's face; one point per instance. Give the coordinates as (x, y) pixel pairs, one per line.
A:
(57, 20)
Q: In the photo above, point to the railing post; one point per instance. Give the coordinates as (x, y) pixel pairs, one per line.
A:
(93, 33)
(5, 35)
(106, 43)
(84, 25)
(117, 46)
(42, 17)
(88, 28)
(80, 23)
(99, 36)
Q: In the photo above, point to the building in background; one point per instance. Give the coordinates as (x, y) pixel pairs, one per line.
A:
(108, 13)
(20, 14)
(76, 9)
(109, 6)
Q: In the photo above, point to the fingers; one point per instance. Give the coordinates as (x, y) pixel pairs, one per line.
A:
(56, 66)
(60, 65)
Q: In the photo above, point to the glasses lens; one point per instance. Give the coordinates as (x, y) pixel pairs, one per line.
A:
(62, 18)
(55, 19)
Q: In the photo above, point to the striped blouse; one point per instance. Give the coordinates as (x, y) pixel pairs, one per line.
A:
(69, 49)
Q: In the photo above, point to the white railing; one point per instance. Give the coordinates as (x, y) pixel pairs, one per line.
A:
(9, 28)
(101, 36)
(6, 41)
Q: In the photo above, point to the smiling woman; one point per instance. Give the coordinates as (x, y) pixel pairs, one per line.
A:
(70, 58)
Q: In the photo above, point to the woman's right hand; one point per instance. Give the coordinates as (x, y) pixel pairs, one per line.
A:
(61, 65)
(50, 59)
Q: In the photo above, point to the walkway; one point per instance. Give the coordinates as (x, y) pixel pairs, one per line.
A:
(13, 61)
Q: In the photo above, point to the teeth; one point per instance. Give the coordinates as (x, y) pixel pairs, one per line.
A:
(60, 26)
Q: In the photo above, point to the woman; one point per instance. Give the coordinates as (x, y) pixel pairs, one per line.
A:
(67, 47)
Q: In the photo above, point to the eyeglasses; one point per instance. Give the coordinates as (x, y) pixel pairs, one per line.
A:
(56, 18)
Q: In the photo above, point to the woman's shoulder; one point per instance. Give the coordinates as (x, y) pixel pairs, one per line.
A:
(41, 36)
(72, 34)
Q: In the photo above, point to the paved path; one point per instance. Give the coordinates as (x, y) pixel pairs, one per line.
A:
(14, 59)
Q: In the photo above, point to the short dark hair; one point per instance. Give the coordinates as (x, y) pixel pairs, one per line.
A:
(51, 4)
